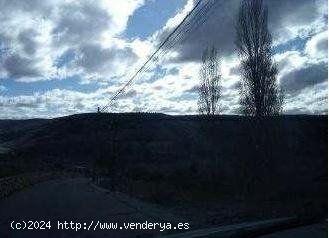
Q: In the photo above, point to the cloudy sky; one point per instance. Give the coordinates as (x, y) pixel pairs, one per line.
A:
(59, 57)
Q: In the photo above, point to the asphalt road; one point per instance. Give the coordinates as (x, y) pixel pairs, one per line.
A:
(78, 201)
(312, 231)
(68, 200)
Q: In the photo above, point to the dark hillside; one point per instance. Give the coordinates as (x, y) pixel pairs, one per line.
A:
(281, 156)
(161, 138)
(13, 129)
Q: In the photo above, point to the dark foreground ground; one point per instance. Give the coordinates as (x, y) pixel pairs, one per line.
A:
(77, 200)
(209, 172)
(71, 200)
(315, 231)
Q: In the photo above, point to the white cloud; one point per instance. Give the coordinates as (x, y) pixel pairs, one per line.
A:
(39, 33)
(120, 11)
(178, 18)
(52, 103)
(317, 46)
(310, 100)
(300, 69)
(86, 36)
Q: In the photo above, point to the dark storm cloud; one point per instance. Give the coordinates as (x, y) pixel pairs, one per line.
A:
(26, 38)
(19, 67)
(71, 28)
(15, 64)
(304, 77)
(219, 29)
(94, 58)
(18, 36)
(80, 22)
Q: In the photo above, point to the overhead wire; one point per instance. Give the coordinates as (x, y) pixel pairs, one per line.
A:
(194, 19)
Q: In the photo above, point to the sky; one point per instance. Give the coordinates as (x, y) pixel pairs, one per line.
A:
(61, 57)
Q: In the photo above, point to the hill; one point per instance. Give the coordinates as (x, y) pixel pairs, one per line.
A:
(182, 158)
(145, 136)
(158, 138)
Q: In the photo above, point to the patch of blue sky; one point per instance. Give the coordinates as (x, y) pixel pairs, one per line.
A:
(14, 88)
(185, 96)
(297, 44)
(151, 17)
(157, 73)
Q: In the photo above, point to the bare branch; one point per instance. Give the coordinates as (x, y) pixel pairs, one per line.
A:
(210, 77)
(260, 93)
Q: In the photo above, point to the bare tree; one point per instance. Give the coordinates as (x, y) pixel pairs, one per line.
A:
(209, 88)
(260, 93)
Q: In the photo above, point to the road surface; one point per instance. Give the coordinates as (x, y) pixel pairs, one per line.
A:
(311, 231)
(78, 201)
(68, 200)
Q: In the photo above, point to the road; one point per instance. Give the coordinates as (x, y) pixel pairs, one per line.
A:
(312, 231)
(78, 201)
(69, 200)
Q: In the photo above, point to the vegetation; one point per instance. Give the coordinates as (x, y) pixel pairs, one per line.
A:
(210, 77)
(260, 93)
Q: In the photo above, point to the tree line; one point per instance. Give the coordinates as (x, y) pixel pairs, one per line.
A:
(260, 94)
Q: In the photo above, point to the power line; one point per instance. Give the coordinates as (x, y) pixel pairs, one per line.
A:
(177, 34)
(149, 59)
